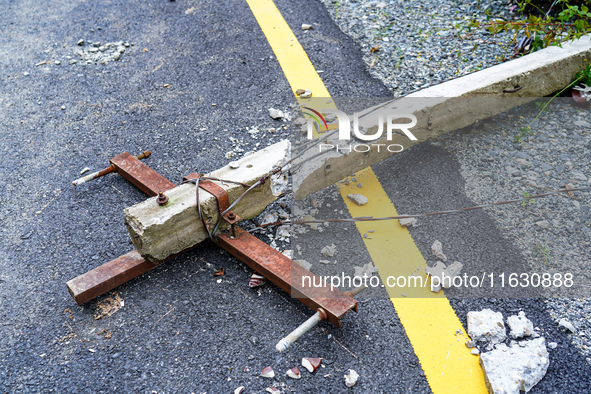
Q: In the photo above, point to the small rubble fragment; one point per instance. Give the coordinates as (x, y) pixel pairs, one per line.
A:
(519, 367)
(85, 169)
(566, 324)
(257, 280)
(358, 199)
(437, 249)
(475, 351)
(368, 269)
(234, 165)
(108, 52)
(552, 345)
(311, 364)
(436, 273)
(470, 344)
(351, 378)
(239, 390)
(80, 42)
(329, 250)
(276, 114)
(307, 94)
(268, 372)
(303, 264)
(313, 226)
(486, 326)
(298, 93)
(272, 390)
(410, 222)
(306, 26)
(520, 326)
(294, 373)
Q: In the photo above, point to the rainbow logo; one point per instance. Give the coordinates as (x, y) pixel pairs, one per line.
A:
(317, 116)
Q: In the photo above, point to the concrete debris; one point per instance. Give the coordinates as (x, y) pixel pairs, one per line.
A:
(313, 226)
(486, 326)
(273, 390)
(436, 273)
(410, 222)
(470, 344)
(351, 378)
(358, 199)
(329, 251)
(552, 345)
(108, 52)
(234, 165)
(566, 324)
(85, 169)
(276, 114)
(239, 390)
(475, 352)
(520, 326)
(437, 249)
(299, 121)
(283, 232)
(368, 269)
(307, 94)
(305, 26)
(519, 367)
(80, 42)
(304, 264)
(269, 218)
(324, 261)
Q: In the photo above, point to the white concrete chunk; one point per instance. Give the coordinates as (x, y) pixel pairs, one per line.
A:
(520, 326)
(358, 199)
(486, 326)
(508, 370)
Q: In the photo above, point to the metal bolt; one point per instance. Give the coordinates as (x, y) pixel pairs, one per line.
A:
(231, 216)
(162, 199)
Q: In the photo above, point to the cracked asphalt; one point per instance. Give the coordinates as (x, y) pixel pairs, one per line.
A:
(197, 73)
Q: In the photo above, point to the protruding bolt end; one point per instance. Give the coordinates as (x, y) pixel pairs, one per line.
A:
(231, 216)
(282, 345)
(162, 199)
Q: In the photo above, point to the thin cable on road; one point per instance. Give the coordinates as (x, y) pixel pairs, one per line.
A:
(371, 218)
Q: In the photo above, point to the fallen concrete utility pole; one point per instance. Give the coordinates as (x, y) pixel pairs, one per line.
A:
(444, 108)
(172, 209)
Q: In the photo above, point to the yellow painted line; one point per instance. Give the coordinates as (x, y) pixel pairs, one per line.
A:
(294, 61)
(429, 320)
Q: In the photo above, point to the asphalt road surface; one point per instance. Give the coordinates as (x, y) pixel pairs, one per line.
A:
(179, 329)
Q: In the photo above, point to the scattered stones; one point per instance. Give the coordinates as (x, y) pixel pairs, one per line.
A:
(543, 224)
(268, 372)
(294, 373)
(470, 344)
(358, 199)
(564, 323)
(552, 345)
(329, 251)
(437, 249)
(72, 61)
(311, 364)
(582, 123)
(515, 368)
(520, 326)
(108, 52)
(305, 26)
(80, 42)
(276, 114)
(486, 326)
(410, 222)
(351, 378)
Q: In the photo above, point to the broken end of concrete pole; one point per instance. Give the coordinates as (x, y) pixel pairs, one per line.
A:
(159, 232)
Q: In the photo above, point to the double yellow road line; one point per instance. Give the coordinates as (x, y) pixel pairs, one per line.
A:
(430, 321)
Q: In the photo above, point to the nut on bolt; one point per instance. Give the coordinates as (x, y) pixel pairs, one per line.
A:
(162, 199)
(231, 216)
